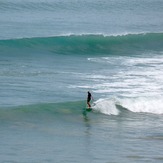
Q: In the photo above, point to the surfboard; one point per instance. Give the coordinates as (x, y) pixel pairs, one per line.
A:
(88, 109)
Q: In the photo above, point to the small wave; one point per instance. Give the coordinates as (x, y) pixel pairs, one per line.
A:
(108, 106)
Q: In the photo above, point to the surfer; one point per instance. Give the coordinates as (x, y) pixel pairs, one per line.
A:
(89, 98)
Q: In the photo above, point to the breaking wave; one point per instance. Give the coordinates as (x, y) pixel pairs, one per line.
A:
(153, 105)
(107, 106)
(86, 44)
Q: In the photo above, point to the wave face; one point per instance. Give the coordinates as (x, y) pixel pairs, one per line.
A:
(86, 44)
(36, 112)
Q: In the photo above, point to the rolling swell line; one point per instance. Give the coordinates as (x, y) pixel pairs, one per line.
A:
(46, 108)
(27, 6)
(88, 44)
(71, 111)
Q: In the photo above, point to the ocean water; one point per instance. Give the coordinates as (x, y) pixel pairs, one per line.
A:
(52, 52)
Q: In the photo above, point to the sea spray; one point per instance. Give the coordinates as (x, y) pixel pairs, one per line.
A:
(106, 106)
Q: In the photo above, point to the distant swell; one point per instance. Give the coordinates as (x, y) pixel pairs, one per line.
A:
(86, 44)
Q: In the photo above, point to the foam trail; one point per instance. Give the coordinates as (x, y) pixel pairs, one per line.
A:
(152, 105)
(106, 106)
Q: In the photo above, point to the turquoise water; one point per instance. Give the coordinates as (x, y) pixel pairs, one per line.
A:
(53, 52)
(65, 132)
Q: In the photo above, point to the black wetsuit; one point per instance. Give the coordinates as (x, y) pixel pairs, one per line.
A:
(89, 97)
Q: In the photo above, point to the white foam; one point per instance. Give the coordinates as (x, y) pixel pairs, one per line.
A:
(144, 104)
(106, 106)
(152, 105)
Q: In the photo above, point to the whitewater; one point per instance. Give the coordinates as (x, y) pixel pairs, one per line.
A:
(52, 52)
